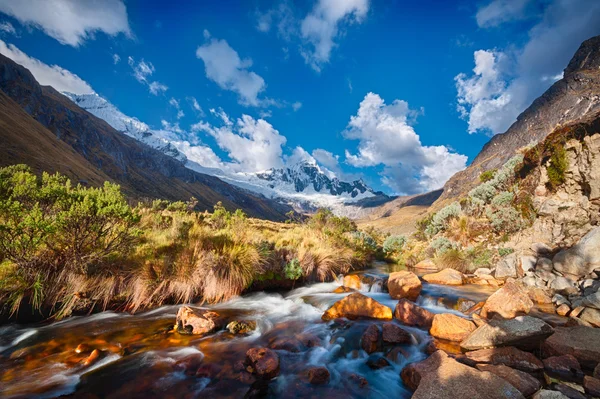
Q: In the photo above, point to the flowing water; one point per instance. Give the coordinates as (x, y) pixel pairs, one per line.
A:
(139, 356)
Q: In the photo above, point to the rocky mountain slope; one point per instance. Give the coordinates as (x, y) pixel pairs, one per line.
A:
(89, 149)
(568, 100)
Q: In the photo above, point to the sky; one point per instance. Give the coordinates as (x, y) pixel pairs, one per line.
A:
(402, 94)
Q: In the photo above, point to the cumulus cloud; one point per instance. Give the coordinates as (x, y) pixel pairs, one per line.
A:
(252, 144)
(506, 81)
(224, 66)
(68, 21)
(48, 75)
(142, 71)
(386, 137)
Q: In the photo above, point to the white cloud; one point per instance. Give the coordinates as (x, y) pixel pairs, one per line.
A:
(321, 26)
(50, 75)
(175, 103)
(142, 71)
(70, 22)
(253, 145)
(116, 59)
(500, 11)
(201, 154)
(386, 137)
(195, 106)
(505, 82)
(7, 27)
(296, 106)
(224, 66)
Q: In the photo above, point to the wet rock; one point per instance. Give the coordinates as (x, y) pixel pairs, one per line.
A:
(241, 327)
(413, 373)
(83, 348)
(508, 302)
(444, 376)
(464, 305)
(358, 380)
(318, 375)
(190, 364)
(507, 267)
(309, 340)
(591, 316)
(92, 358)
(427, 264)
(523, 332)
(525, 383)
(451, 327)
(262, 362)
(404, 284)
(352, 281)
(376, 362)
(582, 258)
(568, 391)
(548, 394)
(581, 342)
(411, 314)
(396, 354)
(289, 344)
(508, 356)
(392, 334)
(563, 310)
(371, 339)
(357, 305)
(565, 367)
(197, 321)
(591, 386)
(342, 290)
(445, 277)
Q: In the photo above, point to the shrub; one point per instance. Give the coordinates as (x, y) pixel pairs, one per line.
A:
(440, 220)
(505, 219)
(442, 245)
(454, 259)
(487, 175)
(486, 191)
(220, 216)
(557, 167)
(505, 198)
(364, 240)
(505, 251)
(393, 244)
(293, 270)
(482, 193)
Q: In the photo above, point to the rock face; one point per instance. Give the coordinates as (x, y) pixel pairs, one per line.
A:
(507, 356)
(444, 376)
(581, 342)
(357, 305)
(525, 383)
(451, 327)
(445, 277)
(404, 284)
(523, 332)
(582, 258)
(508, 302)
(262, 362)
(197, 321)
(413, 315)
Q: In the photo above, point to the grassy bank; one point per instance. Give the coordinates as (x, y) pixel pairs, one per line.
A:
(66, 248)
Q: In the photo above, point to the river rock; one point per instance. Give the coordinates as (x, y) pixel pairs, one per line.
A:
(392, 334)
(445, 277)
(564, 285)
(508, 356)
(352, 281)
(357, 305)
(568, 391)
(197, 321)
(526, 264)
(540, 296)
(591, 316)
(262, 362)
(411, 374)
(508, 302)
(445, 376)
(523, 332)
(525, 383)
(404, 284)
(582, 258)
(413, 315)
(376, 362)
(507, 267)
(565, 367)
(451, 327)
(563, 310)
(241, 327)
(591, 386)
(342, 290)
(427, 264)
(483, 271)
(581, 342)
(548, 394)
(371, 339)
(318, 375)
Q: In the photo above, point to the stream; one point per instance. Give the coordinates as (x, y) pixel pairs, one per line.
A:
(141, 357)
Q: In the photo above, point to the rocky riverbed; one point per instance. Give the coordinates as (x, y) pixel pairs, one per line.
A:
(374, 334)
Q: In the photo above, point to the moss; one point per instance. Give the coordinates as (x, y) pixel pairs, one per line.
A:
(557, 168)
(487, 175)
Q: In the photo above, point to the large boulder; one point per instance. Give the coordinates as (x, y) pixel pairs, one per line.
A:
(580, 341)
(582, 258)
(197, 321)
(507, 267)
(444, 377)
(507, 356)
(352, 281)
(404, 284)
(426, 264)
(591, 316)
(392, 334)
(524, 332)
(446, 277)
(525, 383)
(508, 302)
(262, 362)
(413, 315)
(451, 327)
(357, 305)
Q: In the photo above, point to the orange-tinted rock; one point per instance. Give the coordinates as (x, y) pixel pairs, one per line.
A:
(392, 334)
(352, 281)
(451, 327)
(318, 375)
(370, 340)
(427, 264)
(92, 358)
(508, 302)
(445, 277)
(563, 310)
(413, 315)
(262, 362)
(540, 296)
(411, 374)
(197, 321)
(357, 305)
(525, 383)
(508, 356)
(580, 341)
(404, 284)
(342, 290)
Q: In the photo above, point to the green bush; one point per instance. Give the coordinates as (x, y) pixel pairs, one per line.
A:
(364, 241)
(505, 219)
(558, 166)
(440, 220)
(293, 270)
(487, 175)
(442, 245)
(505, 198)
(505, 251)
(393, 244)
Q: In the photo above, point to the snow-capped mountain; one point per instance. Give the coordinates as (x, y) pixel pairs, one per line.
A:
(305, 184)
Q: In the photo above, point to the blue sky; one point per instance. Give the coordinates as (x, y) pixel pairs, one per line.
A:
(398, 93)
